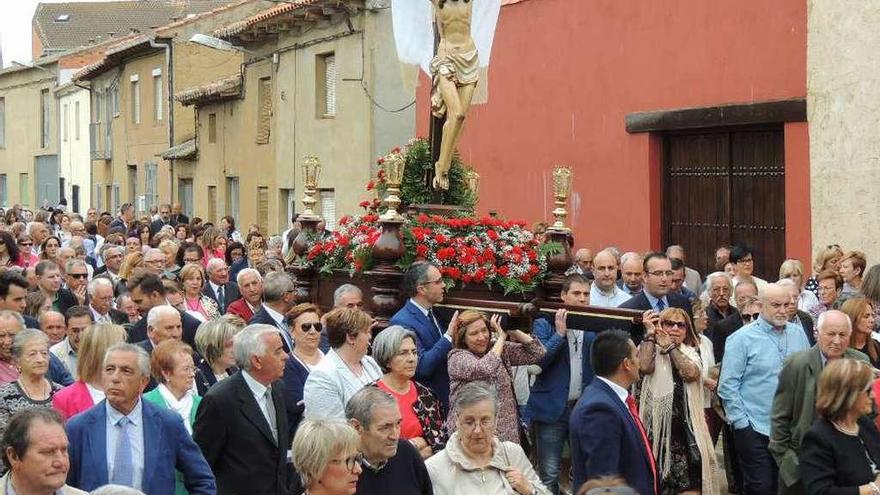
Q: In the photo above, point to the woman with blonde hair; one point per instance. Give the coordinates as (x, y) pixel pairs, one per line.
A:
(130, 263)
(198, 305)
(841, 451)
(483, 351)
(861, 314)
(794, 270)
(852, 270)
(827, 259)
(326, 458)
(671, 404)
(871, 291)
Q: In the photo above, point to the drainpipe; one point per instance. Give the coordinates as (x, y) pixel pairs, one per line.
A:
(170, 96)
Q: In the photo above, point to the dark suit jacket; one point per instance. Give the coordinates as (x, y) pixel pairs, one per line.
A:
(138, 331)
(433, 348)
(605, 440)
(294, 379)
(237, 442)
(835, 463)
(205, 378)
(230, 295)
(156, 226)
(167, 446)
(640, 302)
(794, 409)
(263, 317)
(721, 331)
(549, 395)
(807, 323)
(176, 219)
(118, 222)
(66, 300)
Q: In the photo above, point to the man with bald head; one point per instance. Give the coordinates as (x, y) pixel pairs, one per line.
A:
(753, 358)
(794, 405)
(583, 261)
(632, 273)
(604, 291)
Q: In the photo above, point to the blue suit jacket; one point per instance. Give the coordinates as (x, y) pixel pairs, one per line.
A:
(294, 380)
(433, 348)
(549, 394)
(605, 440)
(167, 446)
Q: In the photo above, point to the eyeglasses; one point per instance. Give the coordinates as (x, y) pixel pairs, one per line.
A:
(308, 327)
(471, 424)
(748, 317)
(677, 324)
(78, 275)
(350, 461)
(26, 244)
(661, 273)
(746, 260)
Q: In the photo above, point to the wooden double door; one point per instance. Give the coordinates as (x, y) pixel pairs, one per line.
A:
(726, 186)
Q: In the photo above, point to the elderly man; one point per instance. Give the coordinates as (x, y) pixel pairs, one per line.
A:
(163, 323)
(345, 296)
(796, 316)
(49, 282)
(112, 256)
(77, 319)
(566, 370)
(76, 274)
(583, 261)
(278, 298)
(132, 442)
(100, 291)
(39, 232)
(147, 292)
(604, 291)
(219, 288)
(250, 285)
(177, 216)
(692, 279)
(241, 424)
(424, 285)
(387, 460)
(632, 273)
(720, 288)
(35, 450)
(52, 324)
(154, 261)
(753, 359)
(794, 406)
(722, 257)
(126, 216)
(722, 329)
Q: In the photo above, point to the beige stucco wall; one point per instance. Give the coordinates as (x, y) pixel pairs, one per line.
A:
(21, 91)
(74, 160)
(843, 104)
(346, 144)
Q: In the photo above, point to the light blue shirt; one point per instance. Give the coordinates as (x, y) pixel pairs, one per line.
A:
(136, 436)
(653, 301)
(612, 299)
(753, 357)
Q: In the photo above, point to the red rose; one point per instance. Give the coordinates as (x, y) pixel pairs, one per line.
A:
(396, 150)
(440, 239)
(423, 218)
(533, 269)
(454, 273)
(343, 241)
(370, 218)
(422, 251)
(532, 255)
(480, 275)
(503, 271)
(381, 160)
(492, 234)
(381, 174)
(466, 278)
(364, 204)
(371, 185)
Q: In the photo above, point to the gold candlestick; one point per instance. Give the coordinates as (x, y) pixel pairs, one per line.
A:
(393, 166)
(311, 171)
(561, 191)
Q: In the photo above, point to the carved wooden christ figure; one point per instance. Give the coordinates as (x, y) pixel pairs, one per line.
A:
(455, 74)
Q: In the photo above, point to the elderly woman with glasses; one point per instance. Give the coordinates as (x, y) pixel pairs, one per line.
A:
(26, 250)
(326, 458)
(841, 451)
(345, 369)
(305, 325)
(475, 460)
(671, 403)
(171, 365)
(394, 349)
(483, 351)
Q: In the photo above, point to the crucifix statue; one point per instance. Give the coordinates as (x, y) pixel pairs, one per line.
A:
(465, 29)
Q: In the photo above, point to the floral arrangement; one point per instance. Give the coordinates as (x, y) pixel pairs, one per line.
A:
(467, 250)
(415, 188)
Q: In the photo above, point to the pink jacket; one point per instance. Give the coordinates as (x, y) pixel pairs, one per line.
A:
(73, 399)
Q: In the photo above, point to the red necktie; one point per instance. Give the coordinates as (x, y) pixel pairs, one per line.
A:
(634, 411)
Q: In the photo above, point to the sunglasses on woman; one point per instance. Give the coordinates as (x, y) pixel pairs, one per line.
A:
(308, 327)
(749, 317)
(677, 324)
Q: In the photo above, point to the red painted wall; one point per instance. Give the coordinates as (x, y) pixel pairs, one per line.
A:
(565, 73)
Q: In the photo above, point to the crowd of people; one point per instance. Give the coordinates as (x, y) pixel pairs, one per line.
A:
(169, 355)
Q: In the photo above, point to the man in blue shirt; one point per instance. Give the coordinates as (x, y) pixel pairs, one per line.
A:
(753, 359)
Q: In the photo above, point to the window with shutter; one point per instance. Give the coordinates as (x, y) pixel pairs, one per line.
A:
(157, 95)
(76, 120)
(115, 197)
(24, 189)
(212, 204)
(232, 196)
(185, 195)
(65, 122)
(328, 208)
(325, 85)
(45, 106)
(212, 127)
(99, 198)
(264, 100)
(135, 100)
(151, 184)
(2, 123)
(263, 208)
(4, 199)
